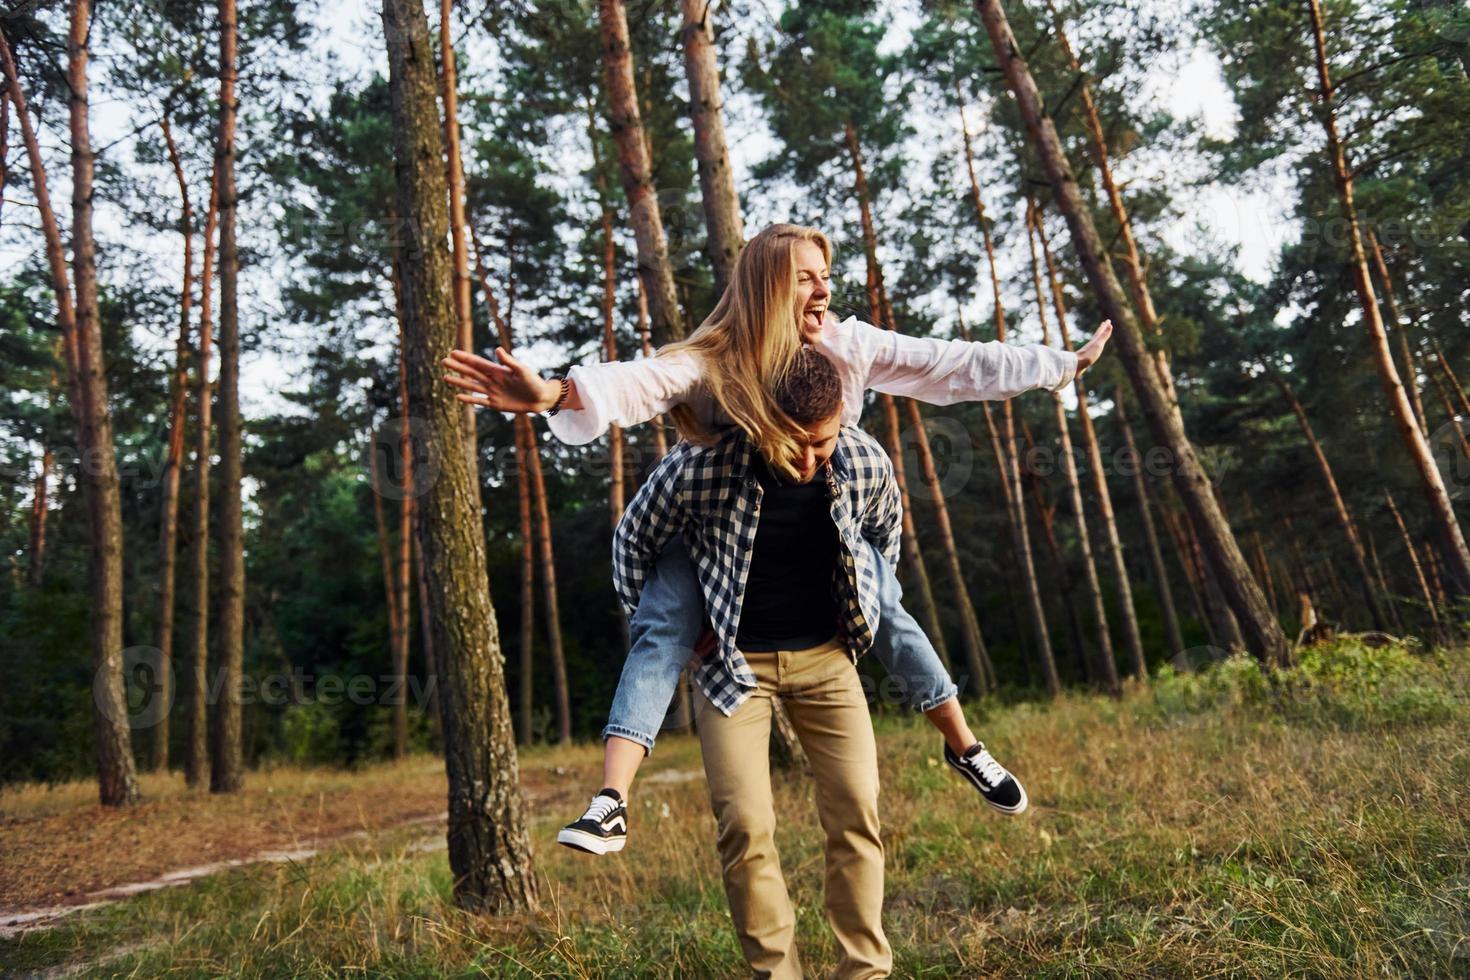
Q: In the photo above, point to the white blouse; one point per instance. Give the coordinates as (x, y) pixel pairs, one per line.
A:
(940, 372)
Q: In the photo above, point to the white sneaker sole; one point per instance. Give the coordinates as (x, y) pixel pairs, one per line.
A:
(582, 841)
(1010, 811)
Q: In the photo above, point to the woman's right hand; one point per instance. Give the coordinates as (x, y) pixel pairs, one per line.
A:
(509, 386)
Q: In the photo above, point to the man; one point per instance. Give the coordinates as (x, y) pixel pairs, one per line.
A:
(791, 591)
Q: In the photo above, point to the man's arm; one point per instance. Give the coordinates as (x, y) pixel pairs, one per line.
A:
(655, 515)
(883, 518)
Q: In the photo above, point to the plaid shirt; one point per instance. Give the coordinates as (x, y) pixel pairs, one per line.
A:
(709, 494)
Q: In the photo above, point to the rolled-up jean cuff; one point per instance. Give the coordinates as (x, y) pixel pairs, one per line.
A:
(644, 740)
(949, 694)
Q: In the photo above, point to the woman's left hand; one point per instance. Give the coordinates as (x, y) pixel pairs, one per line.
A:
(1089, 352)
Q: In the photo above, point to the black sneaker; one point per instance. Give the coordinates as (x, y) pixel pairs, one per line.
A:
(602, 829)
(1000, 789)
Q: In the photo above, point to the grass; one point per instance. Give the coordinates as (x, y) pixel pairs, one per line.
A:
(1211, 825)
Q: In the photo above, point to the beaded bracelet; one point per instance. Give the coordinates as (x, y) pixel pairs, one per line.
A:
(566, 389)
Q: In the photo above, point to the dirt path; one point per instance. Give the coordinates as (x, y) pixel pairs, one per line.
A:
(58, 856)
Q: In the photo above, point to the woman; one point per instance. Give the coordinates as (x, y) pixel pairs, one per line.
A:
(723, 374)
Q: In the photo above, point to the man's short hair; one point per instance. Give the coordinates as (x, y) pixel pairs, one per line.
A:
(811, 391)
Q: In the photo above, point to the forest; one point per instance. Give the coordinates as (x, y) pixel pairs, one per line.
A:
(248, 530)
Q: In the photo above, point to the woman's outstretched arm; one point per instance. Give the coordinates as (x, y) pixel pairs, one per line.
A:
(624, 393)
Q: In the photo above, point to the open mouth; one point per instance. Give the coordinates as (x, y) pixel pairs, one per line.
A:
(813, 315)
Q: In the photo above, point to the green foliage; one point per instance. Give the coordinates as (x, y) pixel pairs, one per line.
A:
(1348, 683)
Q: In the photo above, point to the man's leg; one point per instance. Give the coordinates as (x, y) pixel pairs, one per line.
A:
(824, 697)
(737, 766)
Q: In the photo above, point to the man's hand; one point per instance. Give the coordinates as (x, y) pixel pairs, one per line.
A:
(509, 386)
(1089, 352)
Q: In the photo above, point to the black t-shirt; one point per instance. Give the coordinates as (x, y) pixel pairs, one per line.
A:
(788, 602)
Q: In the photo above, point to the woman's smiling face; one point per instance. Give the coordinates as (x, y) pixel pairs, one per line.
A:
(813, 289)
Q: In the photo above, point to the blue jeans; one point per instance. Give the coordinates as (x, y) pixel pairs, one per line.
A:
(670, 618)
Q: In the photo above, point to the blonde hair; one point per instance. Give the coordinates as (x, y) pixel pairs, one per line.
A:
(749, 343)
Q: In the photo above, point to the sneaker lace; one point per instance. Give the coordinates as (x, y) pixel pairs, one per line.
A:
(599, 809)
(990, 770)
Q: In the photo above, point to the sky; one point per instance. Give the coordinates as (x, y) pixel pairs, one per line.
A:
(349, 36)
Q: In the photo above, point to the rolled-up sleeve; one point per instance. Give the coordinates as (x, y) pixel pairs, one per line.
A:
(624, 393)
(942, 372)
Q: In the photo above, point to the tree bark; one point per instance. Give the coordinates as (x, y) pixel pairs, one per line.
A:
(726, 229)
(80, 321)
(227, 772)
(169, 506)
(1441, 508)
(196, 767)
(1266, 639)
(454, 174)
(1449, 411)
(489, 850)
(1105, 667)
(615, 491)
(654, 269)
(1400, 332)
(426, 628)
(397, 572)
(660, 437)
(36, 552)
(1444, 366)
(1150, 535)
(1046, 520)
(1114, 542)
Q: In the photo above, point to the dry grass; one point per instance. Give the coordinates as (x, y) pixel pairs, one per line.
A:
(1232, 839)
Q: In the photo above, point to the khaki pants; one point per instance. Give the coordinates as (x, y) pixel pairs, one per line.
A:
(820, 690)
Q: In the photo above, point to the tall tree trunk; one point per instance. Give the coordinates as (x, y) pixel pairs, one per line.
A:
(1444, 366)
(615, 491)
(398, 594)
(1393, 608)
(654, 269)
(1112, 540)
(548, 580)
(1105, 667)
(1133, 262)
(390, 578)
(426, 628)
(1344, 519)
(36, 553)
(196, 767)
(1010, 473)
(706, 109)
(1400, 332)
(523, 500)
(227, 773)
(1267, 641)
(178, 406)
(454, 174)
(489, 850)
(530, 452)
(660, 436)
(79, 319)
(910, 543)
(4, 146)
(1150, 535)
(1046, 520)
(1414, 562)
(1441, 509)
(1449, 411)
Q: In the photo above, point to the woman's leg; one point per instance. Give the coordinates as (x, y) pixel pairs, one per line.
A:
(662, 633)
(904, 649)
